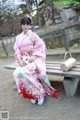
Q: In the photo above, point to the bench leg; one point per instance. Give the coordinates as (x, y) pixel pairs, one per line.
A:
(70, 86)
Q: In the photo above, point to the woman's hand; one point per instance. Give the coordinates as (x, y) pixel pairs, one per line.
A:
(32, 58)
(21, 63)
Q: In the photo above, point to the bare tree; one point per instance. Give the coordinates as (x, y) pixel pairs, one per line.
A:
(8, 12)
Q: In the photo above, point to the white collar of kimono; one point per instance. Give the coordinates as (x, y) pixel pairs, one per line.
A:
(27, 33)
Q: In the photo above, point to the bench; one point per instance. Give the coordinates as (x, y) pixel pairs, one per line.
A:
(71, 78)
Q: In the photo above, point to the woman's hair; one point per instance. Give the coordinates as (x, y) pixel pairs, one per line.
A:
(26, 20)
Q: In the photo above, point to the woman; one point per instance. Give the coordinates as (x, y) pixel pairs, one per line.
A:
(30, 53)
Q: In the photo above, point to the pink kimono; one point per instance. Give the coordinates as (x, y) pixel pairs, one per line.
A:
(32, 75)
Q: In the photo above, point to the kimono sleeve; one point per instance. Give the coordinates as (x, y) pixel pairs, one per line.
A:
(39, 47)
(16, 49)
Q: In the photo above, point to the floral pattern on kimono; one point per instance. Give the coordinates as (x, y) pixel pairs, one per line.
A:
(31, 44)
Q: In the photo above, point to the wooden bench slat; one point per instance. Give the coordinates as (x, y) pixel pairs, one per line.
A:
(61, 73)
(58, 68)
(54, 62)
(48, 66)
(58, 63)
(12, 66)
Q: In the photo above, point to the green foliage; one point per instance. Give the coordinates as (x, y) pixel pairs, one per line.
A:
(54, 42)
(35, 20)
(74, 41)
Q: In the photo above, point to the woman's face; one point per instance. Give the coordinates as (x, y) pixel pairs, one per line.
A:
(25, 28)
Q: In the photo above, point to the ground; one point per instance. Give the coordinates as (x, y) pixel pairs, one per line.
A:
(60, 108)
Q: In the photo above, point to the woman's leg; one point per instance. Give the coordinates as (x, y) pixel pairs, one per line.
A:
(33, 84)
(17, 78)
(37, 89)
